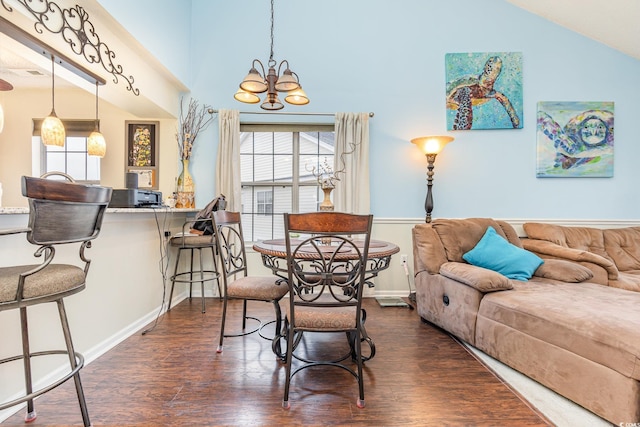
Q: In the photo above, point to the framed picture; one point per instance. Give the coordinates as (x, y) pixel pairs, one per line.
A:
(484, 90)
(575, 139)
(142, 152)
(146, 178)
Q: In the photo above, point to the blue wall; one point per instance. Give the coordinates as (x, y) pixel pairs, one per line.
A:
(161, 27)
(387, 57)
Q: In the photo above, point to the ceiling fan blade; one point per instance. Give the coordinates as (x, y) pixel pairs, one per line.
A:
(5, 85)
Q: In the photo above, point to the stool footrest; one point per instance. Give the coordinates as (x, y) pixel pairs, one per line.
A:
(51, 386)
(208, 276)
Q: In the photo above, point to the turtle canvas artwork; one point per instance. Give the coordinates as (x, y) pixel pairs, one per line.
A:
(484, 90)
(575, 139)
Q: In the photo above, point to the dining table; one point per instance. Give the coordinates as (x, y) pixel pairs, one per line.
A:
(274, 257)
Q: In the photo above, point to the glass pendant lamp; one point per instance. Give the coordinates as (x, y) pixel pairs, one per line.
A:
(52, 131)
(96, 144)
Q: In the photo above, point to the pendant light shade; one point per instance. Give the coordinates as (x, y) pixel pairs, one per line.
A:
(254, 82)
(297, 97)
(272, 103)
(286, 82)
(52, 131)
(246, 97)
(96, 145)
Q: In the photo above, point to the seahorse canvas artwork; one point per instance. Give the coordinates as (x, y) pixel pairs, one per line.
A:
(575, 139)
(484, 90)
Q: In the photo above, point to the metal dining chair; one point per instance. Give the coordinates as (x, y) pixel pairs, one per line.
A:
(60, 213)
(238, 284)
(326, 269)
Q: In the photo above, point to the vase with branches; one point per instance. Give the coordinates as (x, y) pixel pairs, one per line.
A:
(326, 176)
(193, 119)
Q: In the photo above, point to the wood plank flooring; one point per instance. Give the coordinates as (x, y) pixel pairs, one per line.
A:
(172, 376)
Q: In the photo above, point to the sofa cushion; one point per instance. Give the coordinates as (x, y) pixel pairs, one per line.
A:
(623, 246)
(565, 271)
(582, 238)
(459, 236)
(496, 253)
(596, 322)
(477, 277)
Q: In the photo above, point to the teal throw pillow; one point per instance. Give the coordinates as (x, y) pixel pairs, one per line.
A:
(495, 253)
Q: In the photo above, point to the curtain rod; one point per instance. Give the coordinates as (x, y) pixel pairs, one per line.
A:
(212, 111)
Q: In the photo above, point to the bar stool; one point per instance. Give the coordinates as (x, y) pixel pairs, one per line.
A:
(60, 213)
(192, 243)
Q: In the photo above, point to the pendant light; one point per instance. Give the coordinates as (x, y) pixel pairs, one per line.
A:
(272, 82)
(52, 131)
(96, 145)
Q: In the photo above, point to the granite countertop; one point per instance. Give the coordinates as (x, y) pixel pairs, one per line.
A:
(25, 210)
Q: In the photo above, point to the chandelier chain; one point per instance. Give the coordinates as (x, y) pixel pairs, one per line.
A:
(271, 61)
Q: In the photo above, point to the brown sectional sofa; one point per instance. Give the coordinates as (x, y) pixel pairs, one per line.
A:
(578, 338)
(613, 255)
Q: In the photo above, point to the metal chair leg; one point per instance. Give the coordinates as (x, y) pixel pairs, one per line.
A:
(74, 363)
(191, 277)
(26, 360)
(224, 318)
(173, 278)
(201, 277)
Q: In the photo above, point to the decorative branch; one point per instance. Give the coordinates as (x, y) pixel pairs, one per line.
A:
(324, 173)
(75, 28)
(191, 123)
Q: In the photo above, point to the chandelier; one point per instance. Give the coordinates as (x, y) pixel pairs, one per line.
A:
(272, 83)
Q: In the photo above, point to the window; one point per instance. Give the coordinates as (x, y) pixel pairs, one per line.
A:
(265, 202)
(277, 164)
(72, 158)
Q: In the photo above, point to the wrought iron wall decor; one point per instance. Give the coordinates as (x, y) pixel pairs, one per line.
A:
(78, 31)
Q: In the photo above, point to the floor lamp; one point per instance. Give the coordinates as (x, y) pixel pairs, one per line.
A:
(431, 146)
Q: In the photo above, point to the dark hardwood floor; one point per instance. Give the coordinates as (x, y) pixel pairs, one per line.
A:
(173, 376)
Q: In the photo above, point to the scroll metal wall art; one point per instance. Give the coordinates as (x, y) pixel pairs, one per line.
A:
(78, 31)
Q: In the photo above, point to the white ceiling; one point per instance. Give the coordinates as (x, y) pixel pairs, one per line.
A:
(615, 23)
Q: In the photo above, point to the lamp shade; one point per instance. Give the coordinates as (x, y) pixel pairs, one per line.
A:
(297, 97)
(96, 145)
(286, 82)
(272, 102)
(254, 82)
(246, 97)
(52, 131)
(432, 144)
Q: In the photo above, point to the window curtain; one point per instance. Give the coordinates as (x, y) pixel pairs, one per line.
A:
(228, 180)
(352, 136)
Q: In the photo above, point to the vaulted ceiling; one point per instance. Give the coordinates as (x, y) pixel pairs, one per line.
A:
(615, 23)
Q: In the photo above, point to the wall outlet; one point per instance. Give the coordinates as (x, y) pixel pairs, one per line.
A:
(404, 258)
(167, 234)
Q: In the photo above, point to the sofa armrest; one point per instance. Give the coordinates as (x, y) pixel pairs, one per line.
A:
(479, 278)
(564, 271)
(547, 249)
